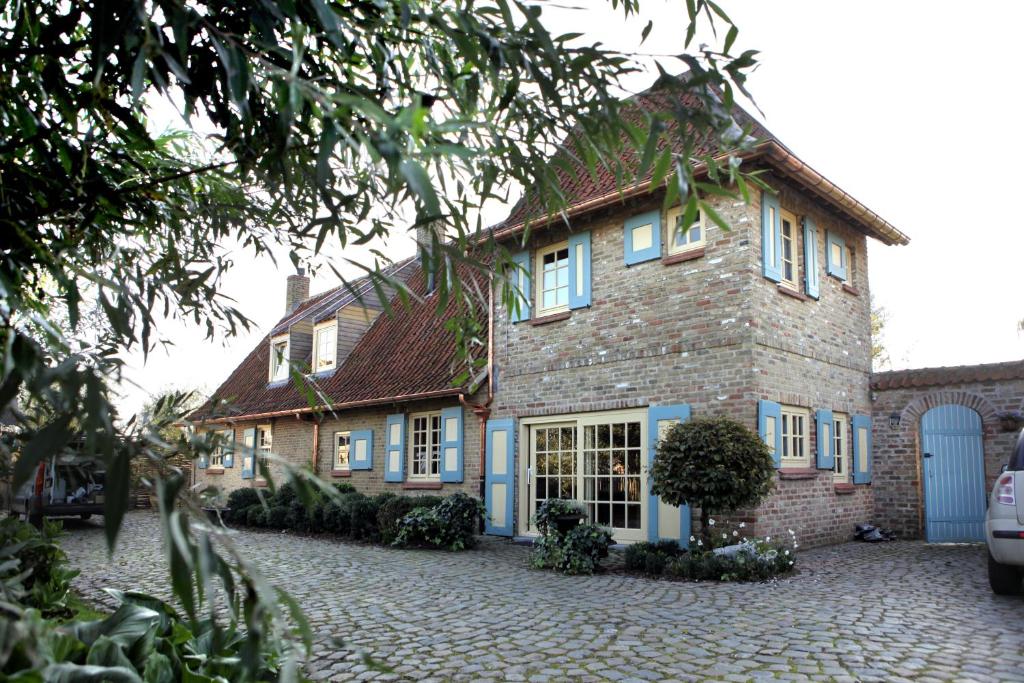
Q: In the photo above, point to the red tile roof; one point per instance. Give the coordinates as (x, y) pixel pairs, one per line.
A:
(957, 374)
(402, 356)
(585, 191)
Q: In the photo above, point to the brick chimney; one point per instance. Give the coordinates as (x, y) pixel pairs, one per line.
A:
(296, 291)
(425, 247)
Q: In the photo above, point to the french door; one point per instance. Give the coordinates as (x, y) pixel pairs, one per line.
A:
(596, 459)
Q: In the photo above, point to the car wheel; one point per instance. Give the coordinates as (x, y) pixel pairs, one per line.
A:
(1003, 578)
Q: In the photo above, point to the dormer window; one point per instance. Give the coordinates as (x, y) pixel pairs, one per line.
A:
(278, 359)
(325, 346)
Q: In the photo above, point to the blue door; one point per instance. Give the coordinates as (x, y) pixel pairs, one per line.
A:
(954, 475)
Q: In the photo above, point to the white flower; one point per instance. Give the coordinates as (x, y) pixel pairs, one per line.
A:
(735, 533)
(796, 545)
(791, 533)
(700, 543)
(692, 539)
(725, 535)
(711, 522)
(743, 525)
(767, 539)
(791, 563)
(786, 553)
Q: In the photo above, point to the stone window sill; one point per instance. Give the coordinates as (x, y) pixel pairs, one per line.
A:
(421, 485)
(215, 470)
(682, 257)
(844, 489)
(260, 483)
(850, 289)
(789, 291)
(797, 473)
(341, 473)
(553, 318)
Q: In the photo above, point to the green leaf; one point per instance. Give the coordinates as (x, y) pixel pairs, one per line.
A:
(75, 673)
(419, 182)
(47, 442)
(117, 489)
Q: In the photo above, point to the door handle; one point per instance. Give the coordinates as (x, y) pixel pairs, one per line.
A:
(928, 455)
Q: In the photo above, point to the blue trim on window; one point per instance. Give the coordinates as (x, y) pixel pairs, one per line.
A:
(838, 270)
(812, 272)
(249, 453)
(771, 233)
(501, 428)
(766, 409)
(579, 299)
(367, 462)
(394, 475)
(681, 413)
(633, 256)
(524, 277)
(826, 442)
(451, 476)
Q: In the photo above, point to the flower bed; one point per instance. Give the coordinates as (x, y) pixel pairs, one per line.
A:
(727, 556)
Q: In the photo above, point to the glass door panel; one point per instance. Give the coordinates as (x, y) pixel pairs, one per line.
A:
(553, 464)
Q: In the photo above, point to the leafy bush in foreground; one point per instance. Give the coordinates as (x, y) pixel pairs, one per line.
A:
(33, 568)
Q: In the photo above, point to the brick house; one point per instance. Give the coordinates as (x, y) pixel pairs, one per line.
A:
(630, 321)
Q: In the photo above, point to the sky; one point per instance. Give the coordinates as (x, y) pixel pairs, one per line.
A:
(908, 106)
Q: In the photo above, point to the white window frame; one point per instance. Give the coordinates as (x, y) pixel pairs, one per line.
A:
(279, 368)
(671, 217)
(539, 279)
(325, 359)
(217, 455)
(433, 447)
(794, 258)
(841, 448)
(796, 448)
(340, 447)
(581, 421)
(264, 446)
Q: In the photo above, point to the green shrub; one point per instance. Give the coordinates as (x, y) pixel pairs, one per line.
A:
(550, 510)
(577, 552)
(33, 568)
(336, 518)
(451, 524)
(238, 503)
(651, 558)
(715, 464)
(362, 513)
(256, 516)
(393, 510)
(344, 487)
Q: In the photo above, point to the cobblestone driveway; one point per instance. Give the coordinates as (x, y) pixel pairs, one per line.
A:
(855, 612)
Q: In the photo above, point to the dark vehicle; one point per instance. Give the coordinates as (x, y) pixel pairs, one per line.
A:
(64, 486)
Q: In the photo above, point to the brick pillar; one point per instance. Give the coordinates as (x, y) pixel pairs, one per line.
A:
(296, 291)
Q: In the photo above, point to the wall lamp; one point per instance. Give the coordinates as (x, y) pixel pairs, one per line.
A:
(894, 421)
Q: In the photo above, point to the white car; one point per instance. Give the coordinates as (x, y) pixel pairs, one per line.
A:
(1004, 526)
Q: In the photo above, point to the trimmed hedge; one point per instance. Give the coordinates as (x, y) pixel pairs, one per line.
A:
(354, 515)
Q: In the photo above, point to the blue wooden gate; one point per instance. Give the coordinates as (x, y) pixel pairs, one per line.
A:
(954, 475)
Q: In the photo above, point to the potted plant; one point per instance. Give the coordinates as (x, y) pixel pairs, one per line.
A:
(559, 515)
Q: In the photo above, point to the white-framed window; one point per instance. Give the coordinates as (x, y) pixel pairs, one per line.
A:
(790, 268)
(841, 473)
(684, 238)
(325, 346)
(278, 358)
(342, 446)
(226, 436)
(425, 446)
(796, 450)
(553, 279)
(264, 445)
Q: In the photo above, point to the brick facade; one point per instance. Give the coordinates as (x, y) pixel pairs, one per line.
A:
(712, 333)
(899, 497)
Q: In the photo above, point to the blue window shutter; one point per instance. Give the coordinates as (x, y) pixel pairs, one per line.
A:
(642, 235)
(826, 440)
(203, 462)
(859, 423)
(451, 445)
(499, 476)
(657, 415)
(771, 237)
(361, 450)
(836, 268)
(521, 279)
(579, 270)
(248, 453)
(769, 426)
(812, 273)
(228, 439)
(394, 448)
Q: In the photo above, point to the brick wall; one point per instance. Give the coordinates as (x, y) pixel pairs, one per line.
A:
(897, 452)
(293, 442)
(712, 333)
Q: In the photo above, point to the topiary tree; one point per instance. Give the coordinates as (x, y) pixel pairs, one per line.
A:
(712, 463)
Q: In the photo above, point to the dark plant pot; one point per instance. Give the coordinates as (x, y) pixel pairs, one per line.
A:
(565, 523)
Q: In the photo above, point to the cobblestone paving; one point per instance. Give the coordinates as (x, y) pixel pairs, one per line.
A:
(900, 611)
